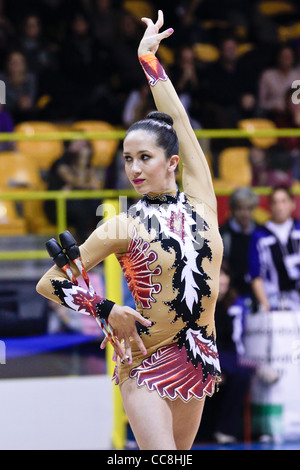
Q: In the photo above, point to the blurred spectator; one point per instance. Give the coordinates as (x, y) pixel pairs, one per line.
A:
(230, 97)
(190, 23)
(259, 167)
(272, 166)
(188, 80)
(85, 72)
(74, 171)
(137, 105)
(236, 234)
(275, 82)
(21, 87)
(6, 125)
(228, 85)
(103, 19)
(34, 45)
(7, 33)
(127, 72)
(289, 118)
(224, 411)
(230, 313)
(79, 54)
(274, 258)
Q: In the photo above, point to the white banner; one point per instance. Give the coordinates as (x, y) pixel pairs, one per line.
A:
(273, 339)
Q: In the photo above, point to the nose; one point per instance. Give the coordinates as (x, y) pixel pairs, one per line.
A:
(135, 168)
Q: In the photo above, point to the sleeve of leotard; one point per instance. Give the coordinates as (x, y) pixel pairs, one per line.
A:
(196, 176)
(111, 237)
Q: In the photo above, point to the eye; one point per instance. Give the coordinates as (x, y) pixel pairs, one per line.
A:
(127, 158)
(145, 156)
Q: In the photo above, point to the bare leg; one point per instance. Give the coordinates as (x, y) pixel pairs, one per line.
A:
(186, 421)
(150, 417)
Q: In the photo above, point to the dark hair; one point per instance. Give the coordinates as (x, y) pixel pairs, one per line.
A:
(283, 188)
(161, 125)
(70, 157)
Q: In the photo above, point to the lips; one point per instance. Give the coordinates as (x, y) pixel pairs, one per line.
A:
(138, 181)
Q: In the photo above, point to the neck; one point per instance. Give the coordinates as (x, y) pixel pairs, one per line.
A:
(170, 190)
(282, 221)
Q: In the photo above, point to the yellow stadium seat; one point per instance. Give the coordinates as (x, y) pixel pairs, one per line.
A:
(166, 55)
(42, 153)
(234, 166)
(11, 224)
(219, 24)
(43, 101)
(244, 48)
(63, 127)
(206, 52)
(253, 124)
(288, 33)
(104, 150)
(19, 173)
(272, 8)
(139, 8)
(37, 222)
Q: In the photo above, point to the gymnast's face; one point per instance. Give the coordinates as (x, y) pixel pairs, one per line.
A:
(146, 165)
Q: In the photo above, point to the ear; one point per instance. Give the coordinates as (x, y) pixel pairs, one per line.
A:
(173, 163)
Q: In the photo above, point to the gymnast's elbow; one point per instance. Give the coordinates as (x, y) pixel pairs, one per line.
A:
(41, 287)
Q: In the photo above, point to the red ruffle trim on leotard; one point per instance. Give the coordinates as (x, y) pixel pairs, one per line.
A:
(170, 373)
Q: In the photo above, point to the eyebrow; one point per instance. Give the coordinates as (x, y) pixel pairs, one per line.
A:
(140, 152)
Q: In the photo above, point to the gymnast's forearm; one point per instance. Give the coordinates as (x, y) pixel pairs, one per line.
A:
(56, 286)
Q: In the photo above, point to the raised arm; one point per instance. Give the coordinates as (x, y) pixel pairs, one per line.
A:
(196, 177)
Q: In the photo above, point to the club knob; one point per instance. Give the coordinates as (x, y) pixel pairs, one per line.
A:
(55, 251)
(69, 243)
(53, 248)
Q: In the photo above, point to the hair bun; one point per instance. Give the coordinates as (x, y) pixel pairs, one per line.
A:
(162, 117)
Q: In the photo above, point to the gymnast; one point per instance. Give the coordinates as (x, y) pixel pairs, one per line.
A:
(170, 256)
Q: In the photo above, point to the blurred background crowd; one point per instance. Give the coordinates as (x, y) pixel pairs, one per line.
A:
(64, 61)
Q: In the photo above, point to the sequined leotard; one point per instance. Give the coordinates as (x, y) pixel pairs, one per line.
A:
(170, 251)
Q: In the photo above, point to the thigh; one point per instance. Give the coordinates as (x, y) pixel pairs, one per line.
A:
(186, 421)
(150, 417)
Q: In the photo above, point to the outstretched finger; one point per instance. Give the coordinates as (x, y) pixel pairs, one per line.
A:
(160, 19)
(139, 343)
(165, 34)
(119, 350)
(138, 317)
(128, 350)
(147, 21)
(104, 343)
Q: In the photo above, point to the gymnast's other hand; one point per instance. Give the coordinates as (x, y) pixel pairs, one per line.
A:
(122, 319)
(152, 37)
